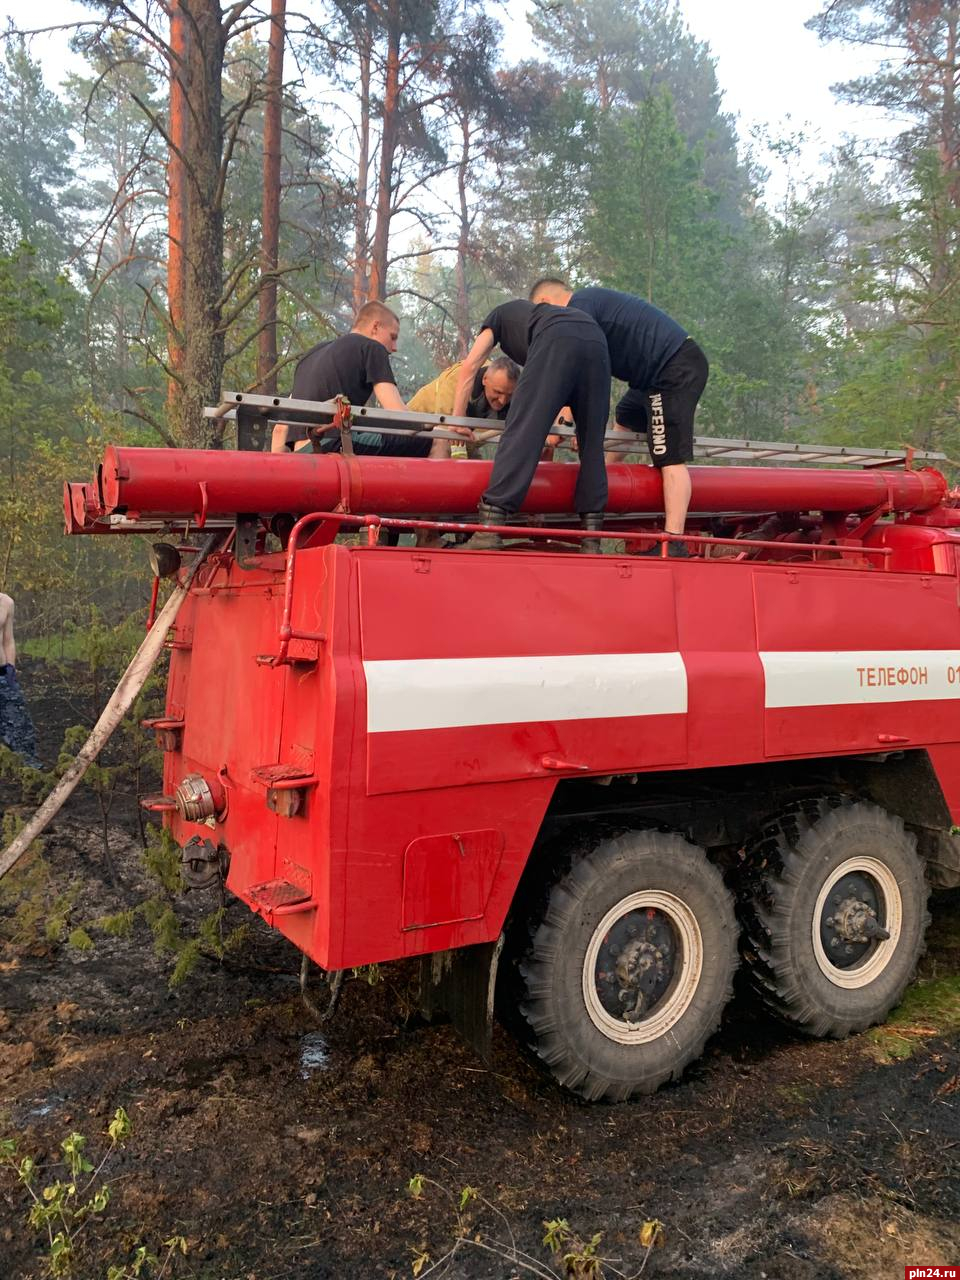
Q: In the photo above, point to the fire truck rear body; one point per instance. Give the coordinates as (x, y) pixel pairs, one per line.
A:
(392, 751)
(452, 693)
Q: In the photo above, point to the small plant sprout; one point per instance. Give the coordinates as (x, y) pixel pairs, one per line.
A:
(576, 1258)
(466, 1195)
(69, 1208)
(119, 1127)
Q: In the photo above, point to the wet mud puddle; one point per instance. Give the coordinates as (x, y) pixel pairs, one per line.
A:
(314, 1054)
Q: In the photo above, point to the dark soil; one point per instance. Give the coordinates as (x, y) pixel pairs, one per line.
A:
(279, 1149)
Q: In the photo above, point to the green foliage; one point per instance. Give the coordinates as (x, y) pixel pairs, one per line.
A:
(131, 752)
(32, 783)
(208, 940)
(33, 909)
(161, 858)
(928, 1009)
(69, 1203)
(578, 1257)
(27, 893)
(895, 363)
(187, 959)
(648, 220)
(35, 155)
(371, 974)
(58, 916)
(166, 929)
(119, 925)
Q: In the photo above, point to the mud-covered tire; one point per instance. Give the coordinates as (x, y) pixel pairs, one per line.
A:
(811, 879)
(627, 965)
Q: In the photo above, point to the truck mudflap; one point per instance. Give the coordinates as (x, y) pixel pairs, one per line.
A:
(460, 984)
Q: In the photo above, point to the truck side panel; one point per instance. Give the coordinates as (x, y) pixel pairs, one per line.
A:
(480, 677)
(845, 668)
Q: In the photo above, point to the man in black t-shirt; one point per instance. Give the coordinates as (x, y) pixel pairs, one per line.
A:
(565, 362)
(666, 373)
(357, 366)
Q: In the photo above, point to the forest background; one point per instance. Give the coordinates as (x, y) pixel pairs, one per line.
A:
(223, 184)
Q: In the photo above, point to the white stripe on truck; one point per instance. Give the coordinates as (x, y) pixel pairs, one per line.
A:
(446, 693)
(839, 677)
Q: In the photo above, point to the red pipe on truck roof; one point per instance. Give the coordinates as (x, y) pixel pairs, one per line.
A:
(187, 481)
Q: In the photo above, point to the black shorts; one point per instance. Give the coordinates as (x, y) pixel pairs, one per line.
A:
(665, 411)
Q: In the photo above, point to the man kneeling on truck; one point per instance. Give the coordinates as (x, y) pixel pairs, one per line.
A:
(490, 395)
(356, 365)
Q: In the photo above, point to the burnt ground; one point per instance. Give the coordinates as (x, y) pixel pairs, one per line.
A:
(278, 1149)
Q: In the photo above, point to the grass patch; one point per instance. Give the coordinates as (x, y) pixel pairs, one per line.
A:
(928, 1009)
(798, 1094)
(71, 646)
(863, 1237)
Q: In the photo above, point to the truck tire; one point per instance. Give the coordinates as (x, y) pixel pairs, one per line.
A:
(823, 884)
(628, 963)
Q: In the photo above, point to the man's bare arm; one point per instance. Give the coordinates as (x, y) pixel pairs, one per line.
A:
(278, 440)
(389, 396)
(469, 369)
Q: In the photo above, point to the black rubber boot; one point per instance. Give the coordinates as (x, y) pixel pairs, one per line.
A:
(675, 551)
(483, 540)
(592, 520)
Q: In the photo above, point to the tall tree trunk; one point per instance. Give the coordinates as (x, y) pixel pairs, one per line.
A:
(948, 70)
(270, 218)
(361, 214)
(464, 332)
(388, 147)
(176, 203)
(203, 303)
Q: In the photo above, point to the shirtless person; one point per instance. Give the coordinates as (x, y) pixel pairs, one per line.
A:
(16, 727)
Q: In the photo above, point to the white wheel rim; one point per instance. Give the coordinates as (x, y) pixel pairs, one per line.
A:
(881, 952)
(684, 983)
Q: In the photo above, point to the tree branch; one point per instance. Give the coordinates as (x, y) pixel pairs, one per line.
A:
(151, 422)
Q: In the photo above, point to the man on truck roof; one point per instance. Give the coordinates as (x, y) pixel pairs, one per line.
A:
(490, 395)
(565, 362)
(666, 372)
(356, 365)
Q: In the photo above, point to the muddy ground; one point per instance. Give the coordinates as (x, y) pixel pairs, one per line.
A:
(279, 1150)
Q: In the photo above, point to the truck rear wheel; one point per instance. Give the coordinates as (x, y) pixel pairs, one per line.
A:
(834, 911)
(628, 965)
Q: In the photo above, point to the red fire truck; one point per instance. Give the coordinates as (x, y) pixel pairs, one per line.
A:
(583, 784)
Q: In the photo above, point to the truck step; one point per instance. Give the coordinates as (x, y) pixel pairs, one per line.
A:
(273, 895)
